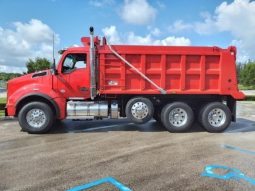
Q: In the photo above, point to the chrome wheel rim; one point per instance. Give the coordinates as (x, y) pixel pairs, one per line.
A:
(178, 117)
(139, 110)
(36, 118)
(216, 117)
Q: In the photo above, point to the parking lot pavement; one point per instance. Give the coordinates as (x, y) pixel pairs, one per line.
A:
(141, 157)
(249, 92)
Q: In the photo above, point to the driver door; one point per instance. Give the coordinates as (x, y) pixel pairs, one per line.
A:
(73, 80)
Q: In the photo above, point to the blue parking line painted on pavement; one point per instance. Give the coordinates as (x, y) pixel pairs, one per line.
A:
(110, 180)
(232, 173)
(239, 149)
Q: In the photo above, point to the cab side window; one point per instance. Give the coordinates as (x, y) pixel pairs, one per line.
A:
(73, 62)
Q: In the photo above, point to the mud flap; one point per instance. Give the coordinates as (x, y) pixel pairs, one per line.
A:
(231, 103)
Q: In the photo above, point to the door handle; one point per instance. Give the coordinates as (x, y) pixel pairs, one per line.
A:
(83, 89)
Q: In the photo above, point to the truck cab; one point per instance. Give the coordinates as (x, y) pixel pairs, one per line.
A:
(67, 91)
(73, 79)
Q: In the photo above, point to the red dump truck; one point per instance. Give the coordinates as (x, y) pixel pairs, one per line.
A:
(175, 85)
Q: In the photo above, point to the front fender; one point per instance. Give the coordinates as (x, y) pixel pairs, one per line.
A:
(36, 90)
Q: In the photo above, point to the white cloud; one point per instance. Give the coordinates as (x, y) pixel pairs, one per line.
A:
(138, 12)
(12, 69)
(112, 34)
(236, 17)
(242, 54)
(178, 26)
(101, 3)
(174, 41)
(24, 41)
(148, 40)
(155, 31)
(161, 5)
(140, 40)
(207, 26)
(114, 37)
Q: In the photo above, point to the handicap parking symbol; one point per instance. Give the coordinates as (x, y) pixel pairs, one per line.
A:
(110, 180)
(231, 173)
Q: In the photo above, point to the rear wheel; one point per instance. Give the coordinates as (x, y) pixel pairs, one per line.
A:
(215, 117)
(139, 110)
(177, 117)
(36, 117)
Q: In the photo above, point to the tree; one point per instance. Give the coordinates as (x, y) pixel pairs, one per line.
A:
(239, 67)
(37, 65)
(8, 76)
(247, 74)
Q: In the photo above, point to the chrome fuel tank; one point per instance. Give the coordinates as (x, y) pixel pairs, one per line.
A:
(81, 108)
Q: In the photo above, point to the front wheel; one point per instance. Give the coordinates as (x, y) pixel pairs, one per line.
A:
(36, 117)
(177, 117)
(215, 117)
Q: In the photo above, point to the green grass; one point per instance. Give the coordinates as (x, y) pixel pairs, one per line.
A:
(243, 87)
(2, 100)
(1, 113)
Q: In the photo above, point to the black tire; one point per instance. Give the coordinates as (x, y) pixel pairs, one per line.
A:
(139, 118)
(57, 122)
(184, 119)
(221, 120)
(48, 117)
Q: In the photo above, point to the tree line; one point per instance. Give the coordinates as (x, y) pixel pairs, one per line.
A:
(8, 76)
(38, 64)
(246, 73)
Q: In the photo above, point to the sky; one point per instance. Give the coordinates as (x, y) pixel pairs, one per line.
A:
(27, 26)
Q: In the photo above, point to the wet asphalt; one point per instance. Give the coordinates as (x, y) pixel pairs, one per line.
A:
(141, 157)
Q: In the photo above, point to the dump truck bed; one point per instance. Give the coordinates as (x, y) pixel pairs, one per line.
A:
(177, 70)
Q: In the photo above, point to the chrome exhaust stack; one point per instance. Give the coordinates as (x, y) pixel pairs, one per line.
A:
(93, 90)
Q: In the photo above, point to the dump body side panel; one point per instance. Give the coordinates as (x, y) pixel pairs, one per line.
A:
(178, 70)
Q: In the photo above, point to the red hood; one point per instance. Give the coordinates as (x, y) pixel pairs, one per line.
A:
(22, 81)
